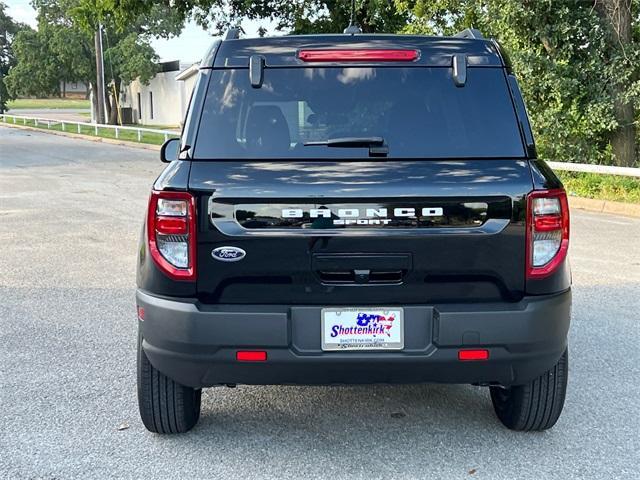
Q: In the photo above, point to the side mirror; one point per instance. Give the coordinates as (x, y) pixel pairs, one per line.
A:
(170, 150)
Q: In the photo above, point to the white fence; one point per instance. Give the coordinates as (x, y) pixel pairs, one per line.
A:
(19, 119)
(589, 168)
(77, 127)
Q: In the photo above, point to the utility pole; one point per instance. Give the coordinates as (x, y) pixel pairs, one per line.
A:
(100, 116)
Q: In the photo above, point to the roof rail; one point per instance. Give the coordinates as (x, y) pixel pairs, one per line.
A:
(470, 33)
(232, 34)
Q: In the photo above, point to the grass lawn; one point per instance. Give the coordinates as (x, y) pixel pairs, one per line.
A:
(152, 138)
(36, 103)
(162, 127)
(601, 187)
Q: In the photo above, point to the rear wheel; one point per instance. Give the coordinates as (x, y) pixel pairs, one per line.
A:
(165, 405)
(536, 405)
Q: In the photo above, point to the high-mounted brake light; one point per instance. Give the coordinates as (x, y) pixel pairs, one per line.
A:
(547, 231)
(358, 55)
(171, 233)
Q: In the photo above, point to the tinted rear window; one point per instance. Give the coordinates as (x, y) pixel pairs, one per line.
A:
(419, 112)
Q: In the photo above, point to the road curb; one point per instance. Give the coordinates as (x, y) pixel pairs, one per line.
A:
(91, 138)
(605, 206)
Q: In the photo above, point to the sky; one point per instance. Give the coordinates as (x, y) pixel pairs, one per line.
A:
(190, 46)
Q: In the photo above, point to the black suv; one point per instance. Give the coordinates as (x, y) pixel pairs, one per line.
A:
(354, 209)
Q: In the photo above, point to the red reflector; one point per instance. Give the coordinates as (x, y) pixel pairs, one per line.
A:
(141, 313)
(473, 355)
(364, 55)
(251, 356)
(171, 225)
(547, 223)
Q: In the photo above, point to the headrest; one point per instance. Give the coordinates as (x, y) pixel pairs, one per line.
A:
(267, 130)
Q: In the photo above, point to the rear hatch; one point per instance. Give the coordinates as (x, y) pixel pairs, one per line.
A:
(360, 185)
(467, 246)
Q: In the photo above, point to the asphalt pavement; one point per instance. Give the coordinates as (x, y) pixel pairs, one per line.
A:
(70, 216)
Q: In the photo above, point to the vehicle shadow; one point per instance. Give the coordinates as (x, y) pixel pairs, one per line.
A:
(315, 412)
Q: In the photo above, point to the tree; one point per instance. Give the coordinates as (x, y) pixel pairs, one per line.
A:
(38, 70)
(62, 49)
(8, 31)
(315, 16)
(576, 59)
(578, 75)
(301, 16)
(296, 16)
(125, 62)
(621, 54)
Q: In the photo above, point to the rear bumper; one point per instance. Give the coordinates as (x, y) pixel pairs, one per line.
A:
(196, 344)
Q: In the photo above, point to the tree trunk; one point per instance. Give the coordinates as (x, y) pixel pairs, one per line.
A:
(112, 104)
(617, 14)
(113, 110)
(99, 91)
(623, 140)
(94, 100)
(107, 95)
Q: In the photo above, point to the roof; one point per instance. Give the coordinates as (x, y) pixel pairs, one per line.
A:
(282, 51)
(170, 66)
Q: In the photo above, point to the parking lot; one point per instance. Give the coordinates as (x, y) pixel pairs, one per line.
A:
(70, 216)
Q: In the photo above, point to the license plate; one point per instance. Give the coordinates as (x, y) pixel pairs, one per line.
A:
(365, 328)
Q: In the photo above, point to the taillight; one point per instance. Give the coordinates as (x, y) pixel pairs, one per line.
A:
(358, 55)
(547, 231)
(171, 230)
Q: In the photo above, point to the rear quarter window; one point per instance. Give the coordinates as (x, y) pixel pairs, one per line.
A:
(418, 111)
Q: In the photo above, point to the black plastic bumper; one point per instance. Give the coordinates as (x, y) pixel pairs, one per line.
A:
(196, 344)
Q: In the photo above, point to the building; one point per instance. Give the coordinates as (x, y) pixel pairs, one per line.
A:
(164, 101)
(74, 89)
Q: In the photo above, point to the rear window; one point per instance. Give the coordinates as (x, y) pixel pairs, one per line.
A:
(418, 111)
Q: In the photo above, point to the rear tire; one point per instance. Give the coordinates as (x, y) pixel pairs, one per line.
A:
(165, 405)
(536, 405)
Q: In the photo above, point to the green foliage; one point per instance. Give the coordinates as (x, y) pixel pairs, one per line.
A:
(36, 72)
(54, 103)
(577, 67)
(132, 59)
(602, 187)
(8, 31)
(144, 17)
(333, 16)
(63, 46)
(571, 71)
(296, 16)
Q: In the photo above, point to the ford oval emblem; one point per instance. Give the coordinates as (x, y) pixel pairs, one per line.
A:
(228, 254)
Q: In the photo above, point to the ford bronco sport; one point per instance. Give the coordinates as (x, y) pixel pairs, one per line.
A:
(349, 209)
